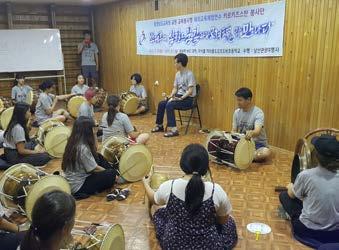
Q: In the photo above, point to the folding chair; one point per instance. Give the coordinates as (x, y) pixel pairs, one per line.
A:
(193, 108)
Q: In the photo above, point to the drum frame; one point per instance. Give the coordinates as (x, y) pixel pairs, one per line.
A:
(2, 106)
(20, 209)
(81, 232)
(227, 136)
(11, 110)
(123, 101)
(43, 134)
(97, 104)
(303, 151)
(55, 123)
(127, 144)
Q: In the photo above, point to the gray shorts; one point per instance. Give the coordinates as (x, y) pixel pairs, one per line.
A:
(89, 71)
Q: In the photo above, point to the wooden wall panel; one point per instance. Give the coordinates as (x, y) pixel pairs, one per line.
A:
(71, 20)
(298, 92)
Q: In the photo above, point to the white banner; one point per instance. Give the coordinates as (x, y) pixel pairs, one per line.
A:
(250, 31)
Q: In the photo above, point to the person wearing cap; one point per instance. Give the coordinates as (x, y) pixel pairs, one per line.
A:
(46, 105)
(20, 90)
(312, 201)
(86, 108)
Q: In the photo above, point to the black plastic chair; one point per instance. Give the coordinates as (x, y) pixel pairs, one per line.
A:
(194, 107)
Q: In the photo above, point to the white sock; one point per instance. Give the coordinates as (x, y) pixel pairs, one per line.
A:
(174, 129)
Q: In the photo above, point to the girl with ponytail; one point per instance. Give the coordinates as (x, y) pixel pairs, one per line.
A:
(197, 212)
(53, 218)
(115, 123)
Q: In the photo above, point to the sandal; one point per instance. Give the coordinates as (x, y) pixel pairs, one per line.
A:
(123, 194)
(112, 196)
(158, 129)
(171, 134)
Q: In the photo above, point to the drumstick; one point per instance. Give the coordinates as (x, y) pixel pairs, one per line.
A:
(257, 233)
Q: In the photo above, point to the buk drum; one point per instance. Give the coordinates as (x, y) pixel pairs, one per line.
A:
(6, 117)
(230, 149)
(129, 102)
(22, 184)
(304, 153)
(53, 135)
(74, 104)
(134, 160)
(101, 96)
(87, 235)
(32, 99)
(5, 103)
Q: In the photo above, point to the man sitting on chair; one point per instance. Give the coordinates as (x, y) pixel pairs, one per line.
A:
(249, 119)
(182, 96)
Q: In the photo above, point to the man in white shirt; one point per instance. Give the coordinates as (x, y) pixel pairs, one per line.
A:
(182, 96)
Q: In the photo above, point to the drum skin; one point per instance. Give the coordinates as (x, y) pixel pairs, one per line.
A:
(53, 136)
(157, 179)
(129, 103)
(74, 104)
(6, 117)
(45, 127)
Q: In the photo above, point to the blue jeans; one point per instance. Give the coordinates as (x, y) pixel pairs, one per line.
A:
(169, 107)
(89, 71)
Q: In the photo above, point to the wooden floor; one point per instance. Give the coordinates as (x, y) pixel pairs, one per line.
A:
(251, 193)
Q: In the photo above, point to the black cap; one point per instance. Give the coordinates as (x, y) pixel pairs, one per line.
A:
(326, 145)
(46, 85)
